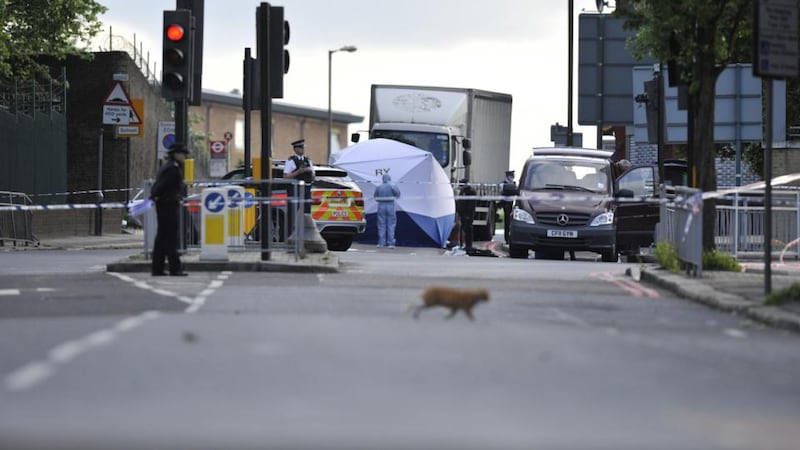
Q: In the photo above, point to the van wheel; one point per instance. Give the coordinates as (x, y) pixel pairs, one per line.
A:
(517, 252)
(610, 256)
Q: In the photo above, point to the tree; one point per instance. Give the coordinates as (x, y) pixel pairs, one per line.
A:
(32, 28)
(700, 38)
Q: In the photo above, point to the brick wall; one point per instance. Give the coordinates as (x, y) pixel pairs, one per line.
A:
(726, 169)
(76, 222)
(126, 161)
(216, 119)
(786, 161)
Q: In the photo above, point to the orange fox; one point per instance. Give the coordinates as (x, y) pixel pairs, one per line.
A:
(455, 299)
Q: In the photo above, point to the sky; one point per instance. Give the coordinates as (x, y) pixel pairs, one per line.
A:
(518, 47)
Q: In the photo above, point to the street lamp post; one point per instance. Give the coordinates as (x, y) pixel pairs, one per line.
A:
(346, 48)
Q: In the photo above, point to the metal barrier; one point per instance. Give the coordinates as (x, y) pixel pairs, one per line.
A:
(16, 226)
(285, 212)
(681, 224)
(740, 226)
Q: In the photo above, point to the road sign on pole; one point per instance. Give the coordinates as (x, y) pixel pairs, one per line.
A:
(166, 137)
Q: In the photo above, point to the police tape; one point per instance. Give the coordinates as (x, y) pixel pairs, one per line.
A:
(66, 206)
(679, 194)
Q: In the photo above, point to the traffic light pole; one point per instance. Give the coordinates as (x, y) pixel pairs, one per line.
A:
(263, 54)
(182, 122)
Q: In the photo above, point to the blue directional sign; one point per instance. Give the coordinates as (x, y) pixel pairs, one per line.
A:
(214, 202)
(249, 200)
(234, 197)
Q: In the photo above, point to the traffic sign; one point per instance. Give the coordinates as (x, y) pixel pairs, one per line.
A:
(117, 96)
(249, 199)
(217, 167)
(235, 197)
(776, 39)
(214, 202)
(129, 130)
(166, 137)
(116, 115)
(218, 149)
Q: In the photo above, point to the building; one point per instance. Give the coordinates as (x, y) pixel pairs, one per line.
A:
(221, 115)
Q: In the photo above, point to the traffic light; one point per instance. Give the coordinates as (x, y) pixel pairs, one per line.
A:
(178, 55)
(279, 56)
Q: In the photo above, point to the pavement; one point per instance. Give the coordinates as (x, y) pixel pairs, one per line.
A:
(741, 293)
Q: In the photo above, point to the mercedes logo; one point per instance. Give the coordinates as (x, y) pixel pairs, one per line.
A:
(562, 219)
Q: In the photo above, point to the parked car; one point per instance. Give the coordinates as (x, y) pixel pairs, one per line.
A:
(573, 200)
(337, 203)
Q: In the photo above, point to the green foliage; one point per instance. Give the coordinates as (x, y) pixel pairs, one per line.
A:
(753, 156)
(686, 30)
(43, 27)
(700, 38)
(717, 260)
(667, 256)
(790, 294)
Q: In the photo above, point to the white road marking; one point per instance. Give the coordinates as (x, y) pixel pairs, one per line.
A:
(36, 372)
(147, 287)
(569, 317)
(734, 333)
(45, 290)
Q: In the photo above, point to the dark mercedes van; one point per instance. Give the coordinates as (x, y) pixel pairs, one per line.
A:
(579, 200)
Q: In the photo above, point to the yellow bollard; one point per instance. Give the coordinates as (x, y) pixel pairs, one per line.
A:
(188, 171)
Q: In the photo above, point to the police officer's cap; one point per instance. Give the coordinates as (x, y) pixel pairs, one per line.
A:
(178, 148)
(509, 173)
(301, 143)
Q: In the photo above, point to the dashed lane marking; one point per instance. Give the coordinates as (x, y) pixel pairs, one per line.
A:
(31, 374)
(34, 373)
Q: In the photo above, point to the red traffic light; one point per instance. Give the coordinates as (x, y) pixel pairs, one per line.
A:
(175, 32)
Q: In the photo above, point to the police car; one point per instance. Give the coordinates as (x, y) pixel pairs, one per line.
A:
(337, 203)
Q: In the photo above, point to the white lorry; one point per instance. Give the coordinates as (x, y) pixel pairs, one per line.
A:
(467, 130)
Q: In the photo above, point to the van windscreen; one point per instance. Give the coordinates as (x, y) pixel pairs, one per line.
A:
(567, 174)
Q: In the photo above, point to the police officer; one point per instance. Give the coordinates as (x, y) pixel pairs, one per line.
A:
(465, 208)
(299, 167)
(167, 192)
(509, 189)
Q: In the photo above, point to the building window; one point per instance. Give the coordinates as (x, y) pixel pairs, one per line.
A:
(238, 135)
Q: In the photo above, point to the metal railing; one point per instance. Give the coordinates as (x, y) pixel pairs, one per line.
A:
(681, 224)
(136, 50)
(16, 226)
(286, 220)
(740, 226)
(31, 97)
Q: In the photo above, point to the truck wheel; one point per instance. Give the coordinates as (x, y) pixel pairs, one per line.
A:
(338, 243)
(517, 252)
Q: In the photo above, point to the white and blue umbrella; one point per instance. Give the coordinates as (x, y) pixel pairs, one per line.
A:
(426, 207)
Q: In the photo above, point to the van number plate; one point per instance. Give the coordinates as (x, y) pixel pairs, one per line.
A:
(339, 213)
(562, 233)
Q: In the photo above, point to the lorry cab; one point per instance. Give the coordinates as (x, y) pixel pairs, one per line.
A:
(434, 139)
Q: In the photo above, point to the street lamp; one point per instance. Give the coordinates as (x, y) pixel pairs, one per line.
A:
(346, 48)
